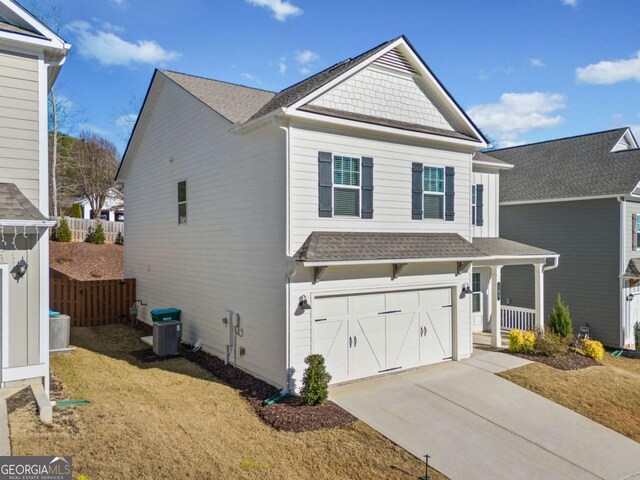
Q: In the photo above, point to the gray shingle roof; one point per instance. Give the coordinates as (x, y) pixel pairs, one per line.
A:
(633, 268)
(355, 246)
(580, 166)
(236, 103)
(298, 91)
(500, 247)
(15, 206)
(386, 122)
(483, 157)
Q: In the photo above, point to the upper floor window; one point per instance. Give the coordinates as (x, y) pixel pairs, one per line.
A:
(477, 294)
(434, 191)
(474, 205)
(637, 232)
(346, 190)
(182, 202)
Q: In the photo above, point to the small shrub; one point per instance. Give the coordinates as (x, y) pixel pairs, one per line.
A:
(97, 236)
(636, 335)
(63, 232)
(551, 344)
(593, 349)
(75, 211)
(560, 319)
(315, 381)
(521, 341)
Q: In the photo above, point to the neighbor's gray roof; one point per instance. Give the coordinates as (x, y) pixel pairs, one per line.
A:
(15, 206)
(581, 166)
(633, 268)
(483, 157)
(358, 246)
(236, 103)
(501, 247)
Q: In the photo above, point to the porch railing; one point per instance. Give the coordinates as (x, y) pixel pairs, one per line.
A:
(517, 318)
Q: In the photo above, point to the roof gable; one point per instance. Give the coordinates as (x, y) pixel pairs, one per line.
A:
(574, 167)
(14, 18)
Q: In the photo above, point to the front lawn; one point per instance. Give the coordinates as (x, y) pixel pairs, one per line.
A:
(608, 394)
(173, 420)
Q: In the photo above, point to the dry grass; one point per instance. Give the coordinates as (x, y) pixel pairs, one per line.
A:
(172, 420)
(608, 394)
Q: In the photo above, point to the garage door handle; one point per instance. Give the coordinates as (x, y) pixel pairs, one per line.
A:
(389, 311)
(355, 341)
(350, 342)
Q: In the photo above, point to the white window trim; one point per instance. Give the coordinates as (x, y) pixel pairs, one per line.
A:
(478, 293)
(429, 192)
(347, 187)
(186, 191)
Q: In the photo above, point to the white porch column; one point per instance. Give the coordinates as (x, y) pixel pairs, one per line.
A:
(539, 294)
(496, 336)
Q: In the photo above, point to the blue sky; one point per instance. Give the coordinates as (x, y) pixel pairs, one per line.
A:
(524, 70)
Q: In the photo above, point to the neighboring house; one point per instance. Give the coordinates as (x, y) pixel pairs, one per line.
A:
(579, 196)
(333, 217)
(30, 58)
(112, 210)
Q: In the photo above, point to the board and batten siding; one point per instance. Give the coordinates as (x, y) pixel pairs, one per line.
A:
(491, 209)
(230, 255)
(586, 235)
(19, 145)
(391, 184)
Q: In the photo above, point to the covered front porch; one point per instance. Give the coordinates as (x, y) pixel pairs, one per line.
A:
(489, 313)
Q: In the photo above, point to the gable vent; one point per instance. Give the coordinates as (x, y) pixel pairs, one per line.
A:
(395, 60)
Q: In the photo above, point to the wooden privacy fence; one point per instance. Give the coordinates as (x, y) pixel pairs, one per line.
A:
(80, 228)
(92, 303)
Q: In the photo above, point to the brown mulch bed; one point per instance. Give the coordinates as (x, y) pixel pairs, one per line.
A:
(289, 415)
(567, 361)
(86, 261)
(147, 356)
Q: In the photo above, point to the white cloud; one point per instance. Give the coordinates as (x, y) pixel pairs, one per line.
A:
(611, 71)
(281, 9)
(536, 62)
(305, 57)
(109, 27)
(110, 49)
(119, 3)
(518, 113)
(93, 128)
(251, 78)
(571, 3)
(126, 121)
(282, 65)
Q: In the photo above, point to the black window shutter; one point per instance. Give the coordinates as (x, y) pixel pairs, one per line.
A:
(416, 191)
(449, 193)
(480, 205)
(325, 184)
(367, 187)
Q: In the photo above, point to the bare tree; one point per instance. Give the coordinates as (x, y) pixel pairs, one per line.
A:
(96, 161)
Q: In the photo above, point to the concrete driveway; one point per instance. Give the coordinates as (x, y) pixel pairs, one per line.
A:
(476, 425)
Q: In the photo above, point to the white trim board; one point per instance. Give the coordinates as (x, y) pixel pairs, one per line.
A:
(4, 328)
(556, 200)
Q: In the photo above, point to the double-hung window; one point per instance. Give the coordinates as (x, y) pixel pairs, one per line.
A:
(346, 186)
(637, 231)
(182, 202)
(474, 205)
(476, 304)
(433, 192)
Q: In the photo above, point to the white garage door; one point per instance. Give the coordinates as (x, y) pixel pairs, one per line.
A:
(363, 335)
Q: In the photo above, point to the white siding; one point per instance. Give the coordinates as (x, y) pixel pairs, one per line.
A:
(381, 93)
(491, 222)
(19, 122)
(374, 278)
(391, 180)
(230, 253)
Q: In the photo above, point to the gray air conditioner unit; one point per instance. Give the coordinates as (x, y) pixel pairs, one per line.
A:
(167, 337)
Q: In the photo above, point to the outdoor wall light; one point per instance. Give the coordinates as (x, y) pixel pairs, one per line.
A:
(303, 304)
(20, 269)
(466, 289)
(630, 297)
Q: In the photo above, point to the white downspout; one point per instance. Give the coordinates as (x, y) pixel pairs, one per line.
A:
(623, 235)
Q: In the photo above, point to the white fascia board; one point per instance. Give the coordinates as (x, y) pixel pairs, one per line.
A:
(28, 223)
(556, 200)
(17, 11)
(497, 166)
(297, 114)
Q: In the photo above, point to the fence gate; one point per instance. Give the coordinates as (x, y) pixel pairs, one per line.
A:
(92, 303)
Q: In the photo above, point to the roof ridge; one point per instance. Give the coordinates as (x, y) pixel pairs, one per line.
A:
(488, 152)
(163, 70)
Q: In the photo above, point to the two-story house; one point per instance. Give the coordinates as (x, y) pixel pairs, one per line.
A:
(343, 216)
(579, 196)
(31, 56)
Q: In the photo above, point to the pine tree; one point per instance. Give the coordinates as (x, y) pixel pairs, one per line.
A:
(315, 381)
(560, 320)
(98, 236)
(76, 211)
(63, 232)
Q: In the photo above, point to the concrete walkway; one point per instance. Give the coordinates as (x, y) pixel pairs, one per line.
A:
(476, 425)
